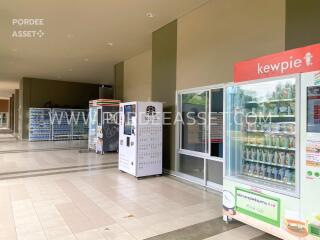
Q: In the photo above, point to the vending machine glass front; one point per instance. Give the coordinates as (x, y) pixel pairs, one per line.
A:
(129, 113)
(261, 134)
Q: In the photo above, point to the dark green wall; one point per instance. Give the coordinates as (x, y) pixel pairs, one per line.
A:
(163, 87)
(38, 92)
(302, 23)
(119, 80)
(21, 108)
(11, 112)
(60, 93)
(16, 112)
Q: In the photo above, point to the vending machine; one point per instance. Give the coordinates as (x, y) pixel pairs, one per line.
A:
(103, 125)
(93, 123)
(140, 138)
(272, 129)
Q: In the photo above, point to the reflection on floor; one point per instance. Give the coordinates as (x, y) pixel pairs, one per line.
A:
(26, 164)
(13, 145)
(78, 200)
(6, 135)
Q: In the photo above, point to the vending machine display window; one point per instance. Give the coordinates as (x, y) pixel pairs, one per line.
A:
(93, 121)
(129, 113)
(313, 108)
(261, 133)
(99, 117)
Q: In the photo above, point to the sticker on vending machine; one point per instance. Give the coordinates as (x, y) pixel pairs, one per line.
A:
(313, 153)
(317, 78)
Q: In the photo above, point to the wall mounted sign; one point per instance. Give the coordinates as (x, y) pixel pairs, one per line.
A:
(306, 59)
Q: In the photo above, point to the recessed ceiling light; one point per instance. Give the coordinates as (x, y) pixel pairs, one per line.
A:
(70, 35)
(86, 59)
(110, 44)
(150, 15)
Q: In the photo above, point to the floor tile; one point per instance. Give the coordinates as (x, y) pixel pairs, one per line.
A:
(99, 204)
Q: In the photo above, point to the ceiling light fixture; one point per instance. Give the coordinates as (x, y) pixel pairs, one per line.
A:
(86, 59)
(150, 15)
(110, 44)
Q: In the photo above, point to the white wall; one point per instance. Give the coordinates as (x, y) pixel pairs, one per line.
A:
(137, 77)
(218, 34)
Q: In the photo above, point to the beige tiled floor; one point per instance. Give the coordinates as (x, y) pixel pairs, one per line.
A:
(97, 205)
(103, 204)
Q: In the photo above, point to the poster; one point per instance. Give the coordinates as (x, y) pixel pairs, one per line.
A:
(313, 153)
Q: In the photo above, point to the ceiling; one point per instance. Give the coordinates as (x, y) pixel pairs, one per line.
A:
(78, 36)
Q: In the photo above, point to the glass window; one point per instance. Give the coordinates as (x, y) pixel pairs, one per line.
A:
(194, 109)
(192, 166)
(215, 171)
(216, 123)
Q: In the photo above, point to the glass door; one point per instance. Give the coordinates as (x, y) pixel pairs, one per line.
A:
(200, 148)
(194, 107)
(215, 161)
(193, 133)
(261, 134)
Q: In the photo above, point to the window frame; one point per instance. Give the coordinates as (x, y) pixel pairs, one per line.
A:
(207, 155)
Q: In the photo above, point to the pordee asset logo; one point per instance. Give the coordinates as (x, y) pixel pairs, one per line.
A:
(284, 66)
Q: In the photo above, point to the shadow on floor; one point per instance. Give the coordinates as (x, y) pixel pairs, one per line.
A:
(199, 231)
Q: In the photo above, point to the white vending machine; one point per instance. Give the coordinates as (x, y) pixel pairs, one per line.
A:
(140, 138)
(272, 166)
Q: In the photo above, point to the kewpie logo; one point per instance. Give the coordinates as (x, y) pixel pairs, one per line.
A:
(284, 66)
(299, 60)
(308, 58)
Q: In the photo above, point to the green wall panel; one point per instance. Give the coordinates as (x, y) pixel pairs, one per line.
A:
(164, 61)
(302, 23)
(119, 80)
